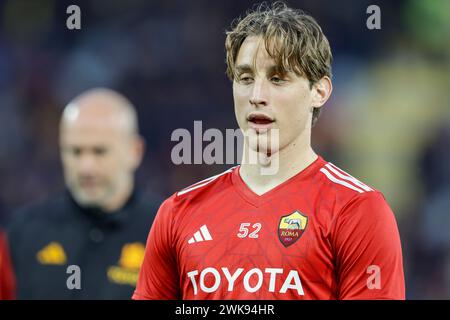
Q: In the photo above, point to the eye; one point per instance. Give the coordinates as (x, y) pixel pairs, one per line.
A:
(277, 80)
(245, 79)
(75, 151)
(99, 151)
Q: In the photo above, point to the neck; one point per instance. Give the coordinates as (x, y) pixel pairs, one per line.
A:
(275, 169)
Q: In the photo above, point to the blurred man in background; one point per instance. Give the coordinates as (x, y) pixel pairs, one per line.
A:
(100, 223)
(6, 275)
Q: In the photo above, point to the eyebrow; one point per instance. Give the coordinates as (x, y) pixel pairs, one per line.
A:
(244, 68)
(274, 69)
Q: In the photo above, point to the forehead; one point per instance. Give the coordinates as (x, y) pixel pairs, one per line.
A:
(91, 134)
(253, 51)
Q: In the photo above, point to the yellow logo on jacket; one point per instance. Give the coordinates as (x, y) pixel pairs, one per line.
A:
(127, 270)
(53, 253)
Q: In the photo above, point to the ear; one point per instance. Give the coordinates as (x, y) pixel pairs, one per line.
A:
(321, 91)
(138, 151)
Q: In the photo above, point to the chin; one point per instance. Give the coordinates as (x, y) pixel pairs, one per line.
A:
(88, 202)
(85, 199)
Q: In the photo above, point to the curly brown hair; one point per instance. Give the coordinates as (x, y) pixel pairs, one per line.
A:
(292, 38)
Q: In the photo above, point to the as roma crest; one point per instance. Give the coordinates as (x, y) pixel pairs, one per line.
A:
(291, 227)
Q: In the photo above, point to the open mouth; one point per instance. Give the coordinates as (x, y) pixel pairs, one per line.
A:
(259, 121)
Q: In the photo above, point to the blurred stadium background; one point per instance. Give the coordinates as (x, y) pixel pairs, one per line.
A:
(388, 121)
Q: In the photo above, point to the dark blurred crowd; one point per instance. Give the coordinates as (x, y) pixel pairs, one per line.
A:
(429, 226)
(168, 58)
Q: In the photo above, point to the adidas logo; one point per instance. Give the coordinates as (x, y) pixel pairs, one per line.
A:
(201, 235)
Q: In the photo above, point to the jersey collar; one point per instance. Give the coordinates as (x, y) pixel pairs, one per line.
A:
(257, 200)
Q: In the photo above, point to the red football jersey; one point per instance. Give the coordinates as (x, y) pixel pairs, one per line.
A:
(7, 281)
(322, 234)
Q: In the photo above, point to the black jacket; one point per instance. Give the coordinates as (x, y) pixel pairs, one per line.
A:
(47, 238)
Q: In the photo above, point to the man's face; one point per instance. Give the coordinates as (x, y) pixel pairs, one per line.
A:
(265, 99)
(97, 159)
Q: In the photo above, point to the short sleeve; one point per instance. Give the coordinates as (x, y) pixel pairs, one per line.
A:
(158, 277)
(368, 250)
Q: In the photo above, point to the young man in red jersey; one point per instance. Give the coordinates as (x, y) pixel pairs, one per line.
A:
(308, 230)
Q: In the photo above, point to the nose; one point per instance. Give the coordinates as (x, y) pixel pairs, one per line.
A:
(259, 93)
(87, 163)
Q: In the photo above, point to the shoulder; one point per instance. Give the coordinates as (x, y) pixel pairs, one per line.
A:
(200, 192)
(357, 206)
(348, 195)
(146, 201)
(41, 211)
(206, 185)
(341, 185)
